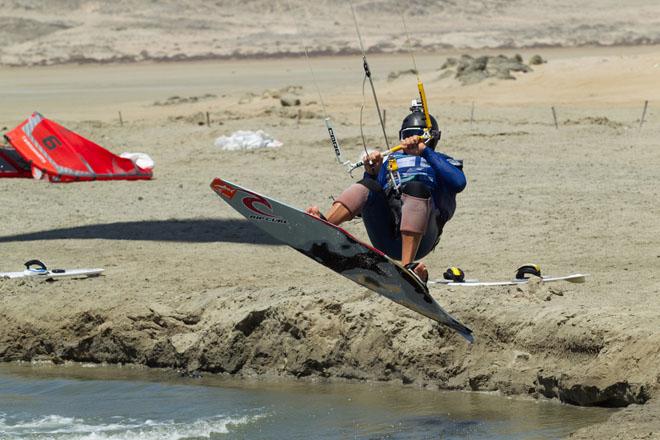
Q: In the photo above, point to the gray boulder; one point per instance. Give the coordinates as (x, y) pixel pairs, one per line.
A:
(470, 70)
(536, 60)
(289, 100)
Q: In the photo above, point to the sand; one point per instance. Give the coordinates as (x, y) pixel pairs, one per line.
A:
(190, 285)
(86, 31)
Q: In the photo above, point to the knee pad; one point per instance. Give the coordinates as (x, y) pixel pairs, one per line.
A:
(353, 198)
(415, 212)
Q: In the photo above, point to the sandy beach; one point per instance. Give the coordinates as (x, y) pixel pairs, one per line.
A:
(190, 285)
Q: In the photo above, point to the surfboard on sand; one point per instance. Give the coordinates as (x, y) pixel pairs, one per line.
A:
(36, 269)
(338, 250)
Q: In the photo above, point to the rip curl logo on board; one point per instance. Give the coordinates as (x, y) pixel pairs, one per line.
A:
(256, 199)
(262, 209)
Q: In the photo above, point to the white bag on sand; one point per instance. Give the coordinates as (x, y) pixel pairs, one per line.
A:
(246, 140)
(140, 159)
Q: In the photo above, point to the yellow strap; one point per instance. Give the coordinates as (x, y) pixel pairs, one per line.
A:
(422, 96)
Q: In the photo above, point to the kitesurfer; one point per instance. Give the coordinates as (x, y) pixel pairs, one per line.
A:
(406, 202)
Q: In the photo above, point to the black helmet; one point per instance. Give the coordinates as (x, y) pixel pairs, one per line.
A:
(415, 123)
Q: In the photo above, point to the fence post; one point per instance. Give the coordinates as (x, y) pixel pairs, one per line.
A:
(641, 121)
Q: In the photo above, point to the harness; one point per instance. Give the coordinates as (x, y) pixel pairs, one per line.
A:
(401, 169)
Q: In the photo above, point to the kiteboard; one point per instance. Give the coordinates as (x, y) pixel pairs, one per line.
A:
(524, 274)
(37, 269)
(573, 278)
(338, 250)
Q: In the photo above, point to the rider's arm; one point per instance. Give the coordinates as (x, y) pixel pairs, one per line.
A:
(452, 176)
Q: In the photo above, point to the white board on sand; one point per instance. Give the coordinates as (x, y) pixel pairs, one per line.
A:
(36, 269)
(573, 278)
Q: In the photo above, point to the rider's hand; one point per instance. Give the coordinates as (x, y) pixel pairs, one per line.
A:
(373, 162)
(413, 145)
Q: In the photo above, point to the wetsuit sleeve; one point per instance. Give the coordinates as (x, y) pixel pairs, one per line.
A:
(450, 175)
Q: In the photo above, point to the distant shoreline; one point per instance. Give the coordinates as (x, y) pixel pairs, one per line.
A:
(443, 50)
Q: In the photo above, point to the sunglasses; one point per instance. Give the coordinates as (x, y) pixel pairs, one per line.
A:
(408, 132)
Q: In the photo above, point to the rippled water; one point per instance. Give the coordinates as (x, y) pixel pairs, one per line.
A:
(77, 402)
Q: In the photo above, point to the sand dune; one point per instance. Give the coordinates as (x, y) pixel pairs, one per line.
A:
(68, 31)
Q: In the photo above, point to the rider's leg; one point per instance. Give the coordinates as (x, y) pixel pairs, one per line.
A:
(415, 214)
(348, 204)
